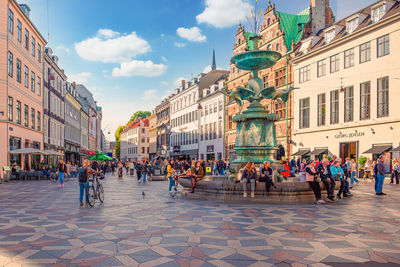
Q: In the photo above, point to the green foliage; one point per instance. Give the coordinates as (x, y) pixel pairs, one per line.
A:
(328, 158)
(139, 114)
(118, 140)
(361, 161)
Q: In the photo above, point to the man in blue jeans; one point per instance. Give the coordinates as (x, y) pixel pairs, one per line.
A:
(380, 176)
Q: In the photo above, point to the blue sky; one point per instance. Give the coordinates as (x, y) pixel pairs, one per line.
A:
(106, 44)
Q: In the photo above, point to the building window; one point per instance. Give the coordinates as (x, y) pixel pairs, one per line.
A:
(10, 108)
(280, 77)
(26, 76)
(220, 106)
(277, 47)
(19, 31)
(26, 115)
(352, 25)
(383, 97)
(215, 107)
(215, 131)
(349, 104)
(383, 46)
(206, 132)
(39, 86)
(201, 132)
(321, 68)
(365, 100)
(10, 64)
(365, 52)
(39, 120)
(329, 36)
(10, 21)
(220, 128)
(33, 118)
(349, 58)
(33, 46)
(26, 39)
(304, 74)
(335, 63)
(32, 81)
(321, 109)
(39, 52)
(304, 113)
(334, 107)
(18, 71)
(18, 112)
(378, 13)
(230, 122)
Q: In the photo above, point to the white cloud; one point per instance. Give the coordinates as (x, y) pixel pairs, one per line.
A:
(180, 45)
(139, 68)
(207, 69)
(61, 48)
(178, 82)
(112, 48)
(80, 77)
(107, 33)
(105, 71)
(164, 59)
(191, 34)
(164, 83)
(149, 94)
(224, 13)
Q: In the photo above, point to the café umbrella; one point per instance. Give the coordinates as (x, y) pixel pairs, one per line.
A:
(100, 156)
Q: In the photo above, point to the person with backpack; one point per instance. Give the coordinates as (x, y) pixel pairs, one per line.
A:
(61, 170)
(83, 176)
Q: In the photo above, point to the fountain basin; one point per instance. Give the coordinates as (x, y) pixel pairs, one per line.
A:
(256, 60)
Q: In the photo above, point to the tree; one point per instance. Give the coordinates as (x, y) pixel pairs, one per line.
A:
(139, 114)
(118, 141)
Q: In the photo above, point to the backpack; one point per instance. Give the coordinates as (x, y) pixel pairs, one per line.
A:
(82, 175)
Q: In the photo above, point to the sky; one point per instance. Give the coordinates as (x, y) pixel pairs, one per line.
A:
(131, 54)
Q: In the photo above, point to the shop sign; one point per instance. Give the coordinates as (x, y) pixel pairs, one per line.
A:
(349, 135)
(177, 149)
(210, 149)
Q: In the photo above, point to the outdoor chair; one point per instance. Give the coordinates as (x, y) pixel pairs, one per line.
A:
(37, 175)
(22, 175)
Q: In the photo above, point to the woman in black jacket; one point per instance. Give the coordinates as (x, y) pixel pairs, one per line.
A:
(249, 174)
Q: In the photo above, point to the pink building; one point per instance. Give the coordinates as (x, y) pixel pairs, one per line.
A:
(21, 72)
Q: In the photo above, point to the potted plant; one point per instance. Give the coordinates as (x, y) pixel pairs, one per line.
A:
(361, 163)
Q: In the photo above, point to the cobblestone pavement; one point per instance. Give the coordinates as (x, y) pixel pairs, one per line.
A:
(42, 224)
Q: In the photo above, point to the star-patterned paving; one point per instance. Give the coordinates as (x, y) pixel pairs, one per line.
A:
(42, 224)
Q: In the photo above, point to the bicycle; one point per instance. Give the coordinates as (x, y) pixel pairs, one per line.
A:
(95, 190)
(53, 177)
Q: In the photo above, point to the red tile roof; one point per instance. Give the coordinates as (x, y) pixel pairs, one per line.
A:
(136, 124)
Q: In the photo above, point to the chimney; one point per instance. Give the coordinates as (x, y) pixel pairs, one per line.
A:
(321, 15)
(26, 9)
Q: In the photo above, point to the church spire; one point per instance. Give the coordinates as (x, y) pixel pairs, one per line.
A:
(214, 64)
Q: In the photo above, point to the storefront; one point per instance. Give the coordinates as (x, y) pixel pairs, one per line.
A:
(381, 149)
(72, 153)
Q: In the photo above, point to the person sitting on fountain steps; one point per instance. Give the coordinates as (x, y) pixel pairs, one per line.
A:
(249, 174)
(266, 175)
(324, 171)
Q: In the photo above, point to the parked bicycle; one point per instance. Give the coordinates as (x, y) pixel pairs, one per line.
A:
(96, 190)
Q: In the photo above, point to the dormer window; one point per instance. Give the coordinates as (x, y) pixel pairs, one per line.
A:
(329, 36)
(352, 25)
(378, 12)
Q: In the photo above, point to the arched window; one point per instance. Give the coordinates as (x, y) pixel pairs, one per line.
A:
(239, 41)
(277, 47)
(269, 47)
(268, 21)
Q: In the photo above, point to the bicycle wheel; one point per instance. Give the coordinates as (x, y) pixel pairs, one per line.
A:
(53, 177)
(100, 192)
(91, 195)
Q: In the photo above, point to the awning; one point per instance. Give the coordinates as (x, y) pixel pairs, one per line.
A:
(28, 150)
(319, 151)
(301, 152)
(378, 149)
(397, 149)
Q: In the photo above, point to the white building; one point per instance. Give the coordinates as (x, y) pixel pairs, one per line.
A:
(211, 143)
(348, 75)
(185, 120)
(84, 130)
(135, 141)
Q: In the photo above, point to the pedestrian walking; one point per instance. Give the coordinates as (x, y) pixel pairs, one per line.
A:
(311, 178)
(379, 175)
(395, 172)
(73, 170)
(353, 171)
(170, 175)
(60, 171)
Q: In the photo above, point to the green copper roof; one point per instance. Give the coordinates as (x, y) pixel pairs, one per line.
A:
(293, 26)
